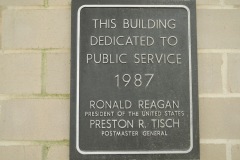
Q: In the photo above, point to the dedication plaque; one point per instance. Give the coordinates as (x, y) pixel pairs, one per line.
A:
(134, 80)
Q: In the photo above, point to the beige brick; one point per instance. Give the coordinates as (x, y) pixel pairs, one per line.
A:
(207, 2)
(20, 2)
(232, 2)
(43, 28)
(233, 72)
(210, 80)
(58, 73)
(212, 152)
(59, 2)
(20, 73)
(59, 153)
(20, 153)
(236, 152)
(219, 118)
(218, 29)
(38, 119)
(0, 29)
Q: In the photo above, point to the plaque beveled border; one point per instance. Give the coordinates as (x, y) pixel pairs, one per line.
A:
(78, 73)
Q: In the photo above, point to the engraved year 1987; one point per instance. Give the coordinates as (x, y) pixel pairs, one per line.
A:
(137, 80)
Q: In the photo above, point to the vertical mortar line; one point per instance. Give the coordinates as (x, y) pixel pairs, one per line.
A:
(43, 74)
(222, 3)
(228, 151)
(224, 71)
(45, 3)
(45, 150)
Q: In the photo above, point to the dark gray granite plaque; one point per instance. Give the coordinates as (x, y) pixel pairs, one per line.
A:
(134, 80)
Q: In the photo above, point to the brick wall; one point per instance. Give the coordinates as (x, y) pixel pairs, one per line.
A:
(35, 68)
